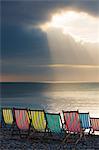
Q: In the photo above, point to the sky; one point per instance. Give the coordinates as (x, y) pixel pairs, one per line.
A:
(49, 41)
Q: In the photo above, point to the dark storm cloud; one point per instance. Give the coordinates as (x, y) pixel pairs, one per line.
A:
(17, 43)
(34, 12)
(16, 40)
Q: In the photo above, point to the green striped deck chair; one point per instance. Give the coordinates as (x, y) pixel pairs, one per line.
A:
(22, 121)
(7, 117)
(85, 121)
(72, 124)
(94, 124)
(54, 125)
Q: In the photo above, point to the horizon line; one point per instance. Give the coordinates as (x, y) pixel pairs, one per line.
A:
(49, 81)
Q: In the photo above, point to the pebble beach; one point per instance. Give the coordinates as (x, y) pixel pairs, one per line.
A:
(9, 142)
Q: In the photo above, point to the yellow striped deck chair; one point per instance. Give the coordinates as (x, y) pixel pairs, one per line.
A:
(38, 121)
(7, 115)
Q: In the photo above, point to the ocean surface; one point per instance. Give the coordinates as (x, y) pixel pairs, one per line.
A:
(53, 97)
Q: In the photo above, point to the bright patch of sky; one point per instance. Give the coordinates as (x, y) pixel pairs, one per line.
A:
(81, 26)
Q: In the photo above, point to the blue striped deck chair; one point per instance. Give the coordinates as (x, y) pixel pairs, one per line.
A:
(72, 125)
(7, 119)
(85, 121)
(55, 125)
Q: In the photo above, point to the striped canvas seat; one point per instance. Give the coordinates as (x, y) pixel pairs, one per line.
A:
(72, 121)
(37, 119)
(22, 119)
(54, 122)
(85, 120)
(7, 116)
(95, 124)
(73, 125)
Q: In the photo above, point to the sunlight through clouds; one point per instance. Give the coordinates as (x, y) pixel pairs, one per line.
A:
(81, 26)
(73, 40)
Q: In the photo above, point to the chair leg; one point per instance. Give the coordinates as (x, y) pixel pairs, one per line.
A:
(66, 137)
(14, 129)
(81, 135)
(63, 142)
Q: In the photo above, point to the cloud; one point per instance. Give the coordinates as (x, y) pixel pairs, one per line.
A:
(35, 12)
(26, 53)
(24, 46)
(55, 75)
(81, 26)
(67, 60)
(64, 49)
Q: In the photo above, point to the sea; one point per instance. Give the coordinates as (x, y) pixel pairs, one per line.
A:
(52, 97)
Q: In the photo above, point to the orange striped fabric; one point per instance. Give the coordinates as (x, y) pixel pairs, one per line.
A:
(95, 124)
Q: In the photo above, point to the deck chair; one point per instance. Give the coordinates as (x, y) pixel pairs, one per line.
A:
(72, 125)
(38, 126)
(7, 118)
(38, 122)
(85, 121)
(94, 124)
(22, 121)
(55, 126)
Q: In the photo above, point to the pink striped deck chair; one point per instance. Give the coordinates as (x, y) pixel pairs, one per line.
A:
(72, 124)
(94, 124)
(22, 121)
